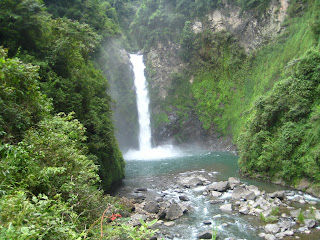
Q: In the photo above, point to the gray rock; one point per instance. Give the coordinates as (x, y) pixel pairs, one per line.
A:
(137, 190)
(317, 215)
(184, 198)
(135, 219)
(289, 233)
(244, 210)
(195, 182)
(216, 201)
(216, 194)
(309, 223)
(270, 237)
(254, 189)
(169, 224)
(174, 212)
(226, 208)
(272, 228)
(205, 235)
(295, 213)
(286, 225)
(219, 186)
(278, 194)
(151, 207)
(233, 182)
(242, 193)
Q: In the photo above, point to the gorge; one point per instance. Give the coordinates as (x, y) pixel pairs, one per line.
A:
(230, 105)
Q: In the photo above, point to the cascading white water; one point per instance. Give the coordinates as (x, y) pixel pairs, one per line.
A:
(142, 102)
(146, 152)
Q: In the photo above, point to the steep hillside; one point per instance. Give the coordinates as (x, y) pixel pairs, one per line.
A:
(206, 80)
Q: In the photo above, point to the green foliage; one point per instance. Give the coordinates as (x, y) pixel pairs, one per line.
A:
(142, 232)
(99, 14)
(277, 140)
(36, 217)
(21, 102)
(22, 24)
(300, 217)
(270, 219)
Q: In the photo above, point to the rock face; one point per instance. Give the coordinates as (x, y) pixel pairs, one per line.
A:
(163, 62)
(250, 29)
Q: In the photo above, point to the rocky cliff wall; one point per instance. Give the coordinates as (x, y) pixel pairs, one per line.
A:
(251, 30)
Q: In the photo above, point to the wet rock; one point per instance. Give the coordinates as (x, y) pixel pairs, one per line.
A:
(317, 215)
(244, 210)
(286, 225)
(309, 223)
(226, 208)
(195, 182)
(135, 219)
(139, 199)
(272, 228)
(183, 207)
(216, 194)
(151, 207)
(138, 190)
(270, 237)
(184, 198)
(216, 201)
(254, 189)
(174, 212)
(219, 186)
(233, 182)
(278, 194)
(159, 199)
(205, 235)
(242, 193)
(169, 224)
(295, 213)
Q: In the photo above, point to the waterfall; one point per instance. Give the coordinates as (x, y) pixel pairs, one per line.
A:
(142, 102)
(145, 152)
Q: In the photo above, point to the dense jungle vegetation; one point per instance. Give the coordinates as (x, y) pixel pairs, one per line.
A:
(58, 148)
(266, 99)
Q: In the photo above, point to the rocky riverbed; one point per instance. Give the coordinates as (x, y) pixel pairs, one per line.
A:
(282, 214)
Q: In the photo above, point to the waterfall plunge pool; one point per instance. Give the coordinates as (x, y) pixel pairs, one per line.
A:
(161, 177)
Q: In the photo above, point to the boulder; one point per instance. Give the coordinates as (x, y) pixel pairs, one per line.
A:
(138, 190)
(242, 193)
(244, 210)
(184, 198)
(226, 208)
(216, 194)
(219, 186)
(169, 224)
(317, 215)
(233, 182)
(195, 182)
(207, 223)
(205, 235)
(309, 223)
(216, 201)
(278, 194)
(254, 189)
(151, 207)
(295, 213)
(174, 212)
(270, 237)
(135, 219)
(272, 228)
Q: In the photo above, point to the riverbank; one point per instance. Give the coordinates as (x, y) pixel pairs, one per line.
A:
(185, 195)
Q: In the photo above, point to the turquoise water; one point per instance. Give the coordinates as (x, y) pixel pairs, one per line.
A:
(161, 175)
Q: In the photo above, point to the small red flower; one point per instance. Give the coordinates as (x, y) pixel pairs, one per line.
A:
(114, 216)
